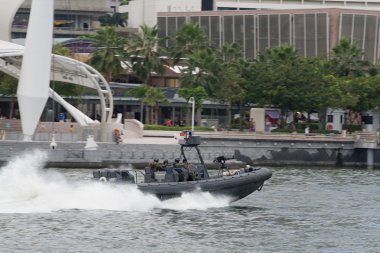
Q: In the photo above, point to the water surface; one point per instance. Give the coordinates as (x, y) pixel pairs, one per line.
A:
(298, 210)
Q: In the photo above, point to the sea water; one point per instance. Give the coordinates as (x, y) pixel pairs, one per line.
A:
(298, 210)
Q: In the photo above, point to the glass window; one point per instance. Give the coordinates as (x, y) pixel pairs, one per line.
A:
(162, 30)
(228, 29)
(263, 36)
(239, 31)
(250, 35)
(215, 30)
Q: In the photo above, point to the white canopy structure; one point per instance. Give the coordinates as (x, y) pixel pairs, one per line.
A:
(7, 13)
(33, 88)
(67, 70)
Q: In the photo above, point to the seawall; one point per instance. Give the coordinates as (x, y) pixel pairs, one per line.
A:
(255, 149)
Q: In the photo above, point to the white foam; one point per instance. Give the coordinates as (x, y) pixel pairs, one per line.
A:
(26, 187)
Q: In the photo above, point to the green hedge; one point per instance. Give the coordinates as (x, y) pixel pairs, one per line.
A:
(235, 124)
(287, 130)
(177, 128)
(354, 128)
(314, 128)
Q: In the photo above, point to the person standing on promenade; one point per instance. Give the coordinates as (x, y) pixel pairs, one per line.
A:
(252, 125)
(168, 122)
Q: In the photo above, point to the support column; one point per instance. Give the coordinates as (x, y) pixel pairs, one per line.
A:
(124, 114)
(173, 116)
(93, 109)
(370, 158)
(33, 87)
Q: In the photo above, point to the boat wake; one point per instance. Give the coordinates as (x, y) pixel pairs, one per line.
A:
(26, 187)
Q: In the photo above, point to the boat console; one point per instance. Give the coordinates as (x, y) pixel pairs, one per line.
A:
(177, 171)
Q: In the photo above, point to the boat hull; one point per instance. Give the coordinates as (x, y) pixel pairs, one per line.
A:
(235, 187)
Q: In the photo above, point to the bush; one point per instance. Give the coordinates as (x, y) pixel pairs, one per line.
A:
(314, 128)
(236, 124)
(287, 130)
(354, 128)
(177, 128)
(283, 130)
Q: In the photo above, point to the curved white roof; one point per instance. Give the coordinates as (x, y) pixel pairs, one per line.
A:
(7, 13)
(63, 69)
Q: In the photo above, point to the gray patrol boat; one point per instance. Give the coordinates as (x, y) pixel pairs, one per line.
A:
(168, 180)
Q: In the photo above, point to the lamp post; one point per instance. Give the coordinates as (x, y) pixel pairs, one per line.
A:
(192, 101)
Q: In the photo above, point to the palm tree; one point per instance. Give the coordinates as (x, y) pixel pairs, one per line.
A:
(199, 78)
(153, 97)
(280, 55)
(109, 48)
(346, 59)
(188, 39)
(202, 69)
(145, 55)
(140, 93)
(232, 82)
(115, 19)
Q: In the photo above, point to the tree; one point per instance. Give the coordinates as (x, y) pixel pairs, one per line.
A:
(273, 85)
(115, 19)
(361, 93)
(8, 87)
(202, 69)
(140, 93)
(346, 60)
(153, 97)
(109, 49)
(232, 84)
(145, 55)
(293, 83)
(190, 38)
(199, 94)
(282, 54)
(202, 65)
(317, 91)
(371, 86)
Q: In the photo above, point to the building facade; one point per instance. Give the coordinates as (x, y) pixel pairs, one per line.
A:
(312, 32)
(71, 18)
(145, 11)
(114, 4)
(295, 4)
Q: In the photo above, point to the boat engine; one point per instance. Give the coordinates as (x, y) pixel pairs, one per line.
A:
(115, 175)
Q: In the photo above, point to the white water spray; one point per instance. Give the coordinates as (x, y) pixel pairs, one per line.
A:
(25, 187)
